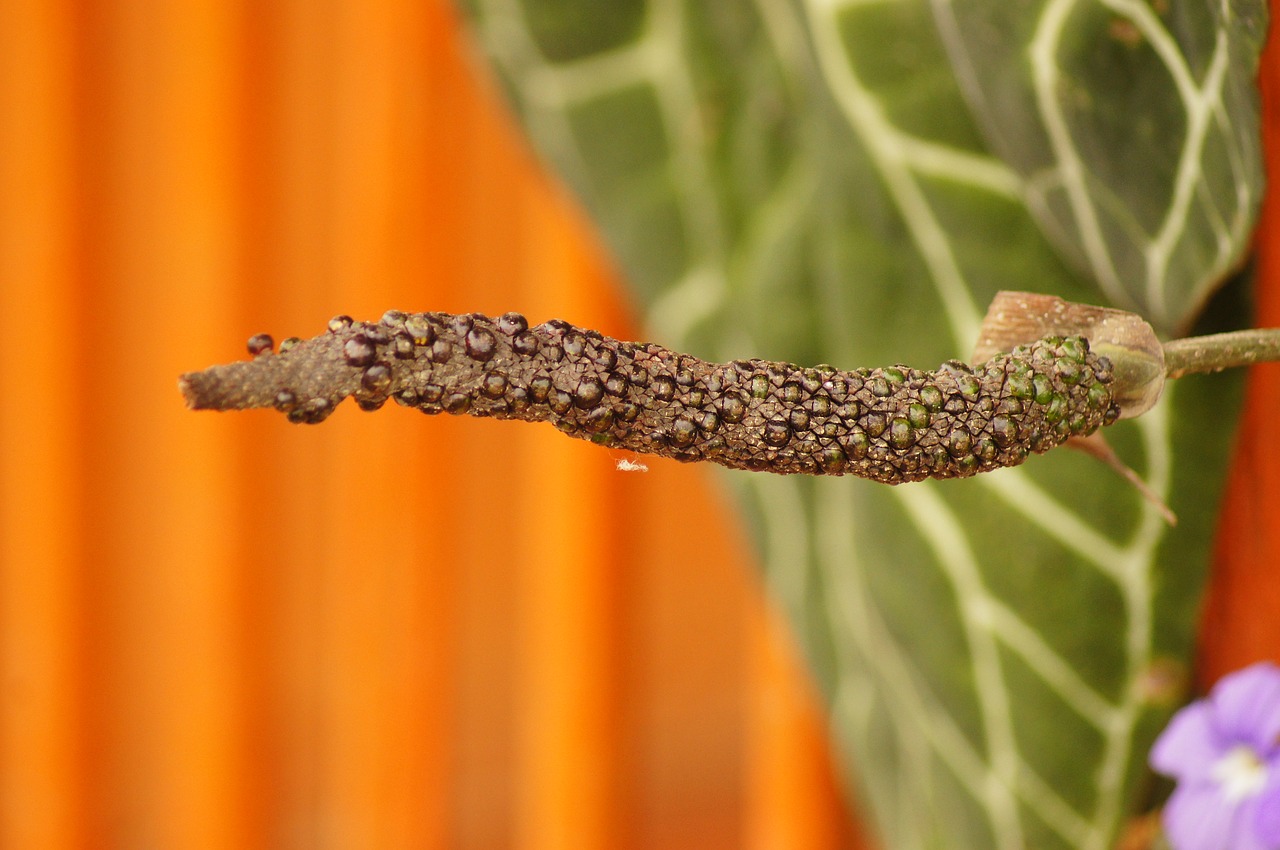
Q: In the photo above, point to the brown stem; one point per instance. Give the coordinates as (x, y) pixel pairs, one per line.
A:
(892, 425)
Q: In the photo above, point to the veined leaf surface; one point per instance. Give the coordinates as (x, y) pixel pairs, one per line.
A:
(803, 181)
(1134, 125)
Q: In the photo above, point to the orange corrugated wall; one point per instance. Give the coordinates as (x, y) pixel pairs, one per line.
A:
(222, 631)
(388, 631)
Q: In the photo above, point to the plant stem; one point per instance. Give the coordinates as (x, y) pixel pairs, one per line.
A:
(891, 425)
(1216, 352)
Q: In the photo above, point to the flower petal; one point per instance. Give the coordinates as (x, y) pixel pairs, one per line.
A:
(1188, 747)
(1198, 818)
(1267, 817)
(1246, 707)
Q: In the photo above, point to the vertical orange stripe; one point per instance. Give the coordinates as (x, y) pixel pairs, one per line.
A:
(160, 236)
(570, 689)
(359, 643)
(417, 775)
(1239, 624)
(40, 492)
(796, 802)
(696, 603)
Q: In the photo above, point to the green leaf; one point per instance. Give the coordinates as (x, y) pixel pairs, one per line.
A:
(1135, 127)
(803, 181)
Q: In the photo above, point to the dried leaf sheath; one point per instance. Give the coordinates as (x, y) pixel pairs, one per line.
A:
(892, 425)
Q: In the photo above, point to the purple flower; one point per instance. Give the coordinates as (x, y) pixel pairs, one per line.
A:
(1224, 752)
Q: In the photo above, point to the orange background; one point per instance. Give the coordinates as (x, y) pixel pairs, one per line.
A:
(387, 631)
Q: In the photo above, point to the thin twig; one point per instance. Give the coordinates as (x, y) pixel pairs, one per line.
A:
(1216, 352)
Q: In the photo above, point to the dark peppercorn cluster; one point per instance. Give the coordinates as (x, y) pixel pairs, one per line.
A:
(892, 425)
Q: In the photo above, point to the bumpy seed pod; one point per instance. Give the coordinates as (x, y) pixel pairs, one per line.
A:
(892, 425)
